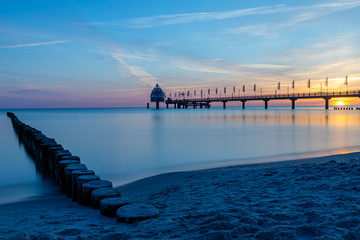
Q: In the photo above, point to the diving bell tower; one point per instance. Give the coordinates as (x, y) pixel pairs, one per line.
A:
(157, 95)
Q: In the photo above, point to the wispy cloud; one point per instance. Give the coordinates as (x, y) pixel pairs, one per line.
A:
(153, 21)
(308, 12)
(301, 14)
(223, 67)
(136, 72)
(34, 44)
(199, 17)
(138, 56)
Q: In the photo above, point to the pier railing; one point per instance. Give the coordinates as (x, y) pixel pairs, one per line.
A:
(331, 94)
(205, 101)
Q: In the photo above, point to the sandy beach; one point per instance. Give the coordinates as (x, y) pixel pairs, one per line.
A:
(316, 198)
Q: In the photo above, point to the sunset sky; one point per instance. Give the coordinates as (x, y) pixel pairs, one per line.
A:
(112, 53)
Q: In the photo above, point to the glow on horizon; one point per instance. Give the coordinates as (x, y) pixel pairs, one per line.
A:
(112, 53)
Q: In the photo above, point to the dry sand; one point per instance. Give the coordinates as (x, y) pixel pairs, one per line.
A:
(316, 198)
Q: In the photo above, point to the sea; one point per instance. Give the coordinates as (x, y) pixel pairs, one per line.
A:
(126, 144)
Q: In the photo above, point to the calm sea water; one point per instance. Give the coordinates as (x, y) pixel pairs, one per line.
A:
(125, 144)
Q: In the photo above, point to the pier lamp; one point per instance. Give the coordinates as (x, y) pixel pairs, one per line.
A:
(157, 95)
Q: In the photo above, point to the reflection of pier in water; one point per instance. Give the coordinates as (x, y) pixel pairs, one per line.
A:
(276, 117)
(205, 102)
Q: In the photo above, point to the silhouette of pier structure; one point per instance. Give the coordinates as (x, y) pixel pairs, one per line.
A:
(206, 102)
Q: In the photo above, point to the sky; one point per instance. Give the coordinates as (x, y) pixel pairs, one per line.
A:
(112, 53)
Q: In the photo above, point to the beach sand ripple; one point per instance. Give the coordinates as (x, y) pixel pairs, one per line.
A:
(308, 199)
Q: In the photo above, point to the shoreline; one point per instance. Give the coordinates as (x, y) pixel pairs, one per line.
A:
(276, 199)
(208, 166)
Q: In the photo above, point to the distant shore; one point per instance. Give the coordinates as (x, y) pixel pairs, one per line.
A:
(314, 198)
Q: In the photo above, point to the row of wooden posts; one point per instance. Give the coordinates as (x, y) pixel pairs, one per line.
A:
(346, 108)
(73, 177)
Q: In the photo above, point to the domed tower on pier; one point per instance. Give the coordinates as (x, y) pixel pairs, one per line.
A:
(157, 95)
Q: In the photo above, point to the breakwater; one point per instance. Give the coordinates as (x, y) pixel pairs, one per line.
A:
(74, 179)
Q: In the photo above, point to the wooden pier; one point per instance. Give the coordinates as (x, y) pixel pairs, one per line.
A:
(206, 102)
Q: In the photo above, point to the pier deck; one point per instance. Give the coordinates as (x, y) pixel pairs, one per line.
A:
(206, 102)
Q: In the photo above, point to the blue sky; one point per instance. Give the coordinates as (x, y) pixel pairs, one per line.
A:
(111, 53)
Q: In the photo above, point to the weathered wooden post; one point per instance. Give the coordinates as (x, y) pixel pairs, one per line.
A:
(61, 172)
(75, 175)
(108, 206)
(81, 180)
(54, 157)
(68, 177)
(59, 159)
(102, 193)
(89, 187)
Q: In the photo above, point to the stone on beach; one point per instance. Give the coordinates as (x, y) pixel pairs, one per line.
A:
(87, 189)
(134, 212)
(108, 206)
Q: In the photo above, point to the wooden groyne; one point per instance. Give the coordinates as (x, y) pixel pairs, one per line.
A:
(75, 179)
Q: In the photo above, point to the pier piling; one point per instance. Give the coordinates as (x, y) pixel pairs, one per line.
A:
(243, 104)
(327, 103)
(266, 103)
